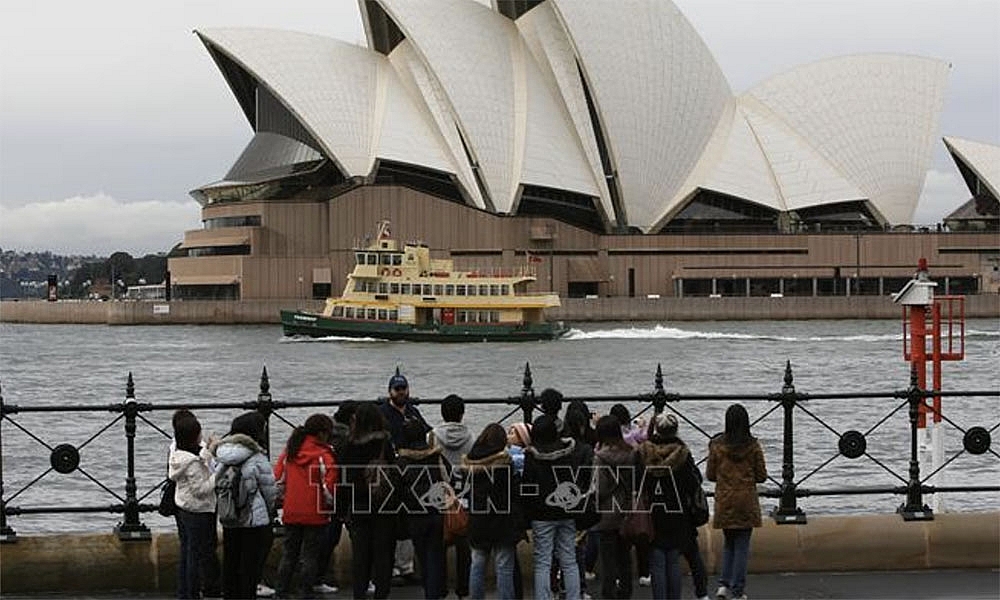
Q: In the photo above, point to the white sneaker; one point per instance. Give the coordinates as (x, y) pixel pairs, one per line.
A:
(723, 593)
(703, 598)
(322, 588)
(590, 576)
(263, 591)
(742, 597)
(645, 581)
(371, 589)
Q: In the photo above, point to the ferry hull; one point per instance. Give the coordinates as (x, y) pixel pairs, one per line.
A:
(314, 325)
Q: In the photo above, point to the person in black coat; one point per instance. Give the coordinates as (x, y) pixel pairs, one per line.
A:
(669, 479)
(495, 518)
(557, 473)
(364, 496)
(422, 482)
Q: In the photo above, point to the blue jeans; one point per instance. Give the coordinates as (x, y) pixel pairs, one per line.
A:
(665, 571)
(562, 536)
(503, 557)
(735, 555)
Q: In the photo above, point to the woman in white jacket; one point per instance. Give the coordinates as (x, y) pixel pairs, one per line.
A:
(195, 499)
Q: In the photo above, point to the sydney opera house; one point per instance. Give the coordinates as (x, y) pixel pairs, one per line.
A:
(600, 137)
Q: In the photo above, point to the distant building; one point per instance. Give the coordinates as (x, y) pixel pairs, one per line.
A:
(606, 141)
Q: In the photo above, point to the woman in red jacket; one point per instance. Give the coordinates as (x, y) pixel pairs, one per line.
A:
(307, 472)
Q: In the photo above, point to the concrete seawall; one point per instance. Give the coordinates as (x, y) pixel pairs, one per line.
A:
(96, 562)
(230, 312)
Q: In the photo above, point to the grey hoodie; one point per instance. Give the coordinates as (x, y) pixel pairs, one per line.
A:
(454, 440)
(257, 478)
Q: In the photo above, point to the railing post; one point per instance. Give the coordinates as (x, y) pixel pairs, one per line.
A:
(7, 533)
(131, 528)
(265, 406)
(659, 395)
(527, 395)
(914, 508)
(787, 511)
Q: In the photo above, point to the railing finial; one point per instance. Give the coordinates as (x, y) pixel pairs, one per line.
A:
(129, 388)
(788, 388)
(265, 383)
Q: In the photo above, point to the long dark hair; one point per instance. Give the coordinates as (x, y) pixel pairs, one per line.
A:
(252, 424)
(316, 425)
(367, 419)
(576, 424)
(609, 432)
(187, 433)
(493, 439)
(737, 425)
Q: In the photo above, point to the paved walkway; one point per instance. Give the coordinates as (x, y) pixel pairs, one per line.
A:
(777, 586)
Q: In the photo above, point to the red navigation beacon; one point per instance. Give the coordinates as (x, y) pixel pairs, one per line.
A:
(946, 332)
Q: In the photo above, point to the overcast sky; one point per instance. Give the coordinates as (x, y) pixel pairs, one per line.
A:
(112, 110)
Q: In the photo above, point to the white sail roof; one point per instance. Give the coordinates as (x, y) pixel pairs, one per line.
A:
(620, 101)
(658, 92)
(982, 159)
(330, 86)
(873, 116)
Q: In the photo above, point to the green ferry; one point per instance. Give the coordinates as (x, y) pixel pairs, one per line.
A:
(398, 292)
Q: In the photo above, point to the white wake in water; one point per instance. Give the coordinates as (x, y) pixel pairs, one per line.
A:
(662, 332)
(673, 333)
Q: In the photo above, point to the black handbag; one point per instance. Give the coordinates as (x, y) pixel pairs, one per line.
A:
(168, 508)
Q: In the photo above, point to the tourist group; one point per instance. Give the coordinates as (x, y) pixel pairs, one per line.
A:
(585, 490)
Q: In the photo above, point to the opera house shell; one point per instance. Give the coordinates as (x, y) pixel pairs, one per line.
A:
(578, 128)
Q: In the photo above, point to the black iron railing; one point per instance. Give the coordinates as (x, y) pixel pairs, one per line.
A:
(852, 444)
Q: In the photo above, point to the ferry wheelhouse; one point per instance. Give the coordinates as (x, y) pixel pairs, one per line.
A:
(398, 292)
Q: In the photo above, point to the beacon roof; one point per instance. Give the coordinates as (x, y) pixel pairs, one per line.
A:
(622, 113)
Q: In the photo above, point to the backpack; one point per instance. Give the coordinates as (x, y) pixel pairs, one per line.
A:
(229, 500)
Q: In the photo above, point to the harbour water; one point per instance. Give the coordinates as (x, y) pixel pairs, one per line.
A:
(88, 365)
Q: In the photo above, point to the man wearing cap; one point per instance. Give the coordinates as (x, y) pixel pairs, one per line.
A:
(397, 408)
(397, 411)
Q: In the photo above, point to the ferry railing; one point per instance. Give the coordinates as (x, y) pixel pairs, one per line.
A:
(65, 458)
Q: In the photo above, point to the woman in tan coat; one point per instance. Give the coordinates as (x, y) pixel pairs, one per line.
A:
(736, 464)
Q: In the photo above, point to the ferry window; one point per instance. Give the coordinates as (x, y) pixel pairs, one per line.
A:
(359, 286)
(338, 311)
(349, 312)
(373, 259)
(494, 316)
(405, 289)
(370, 288)
(359, 257)
(428, 289)
(459, 290)
(494, 290)
(386, 259)
(372, 314)
(438, 289)
(383, 314)
(460, 316)
(393, 288)
(397, 259)
(505, 290)
(484, 316)
(472, 290)
(393, 314)
(449, 290)
(383, 288)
